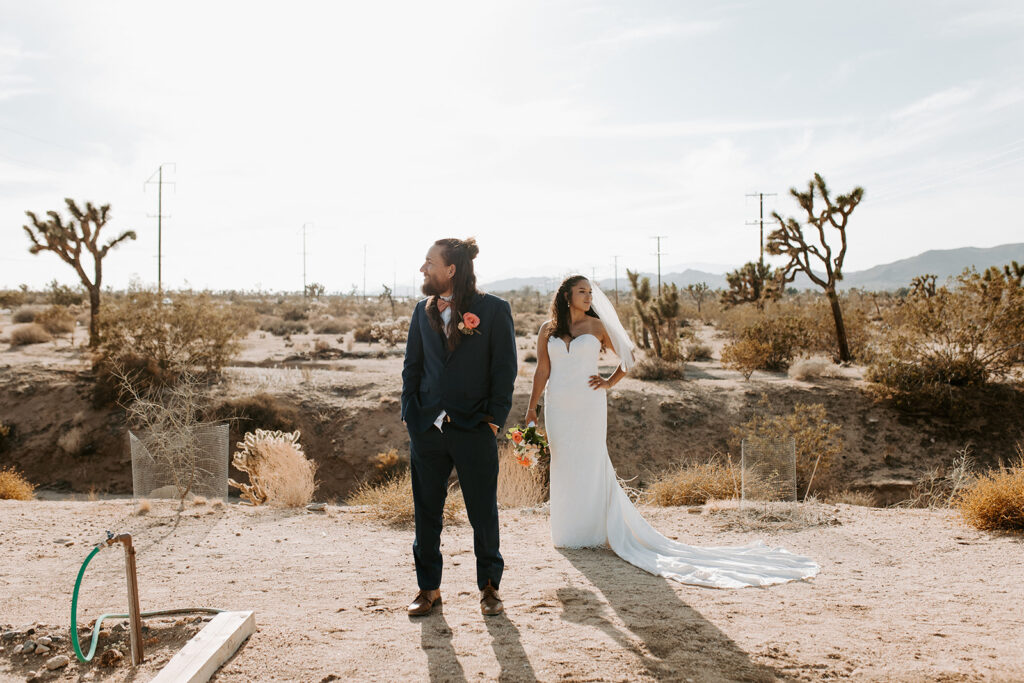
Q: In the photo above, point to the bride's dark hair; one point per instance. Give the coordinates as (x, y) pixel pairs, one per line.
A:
(560, 306)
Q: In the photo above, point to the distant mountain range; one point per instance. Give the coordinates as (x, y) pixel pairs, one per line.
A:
(889, 276)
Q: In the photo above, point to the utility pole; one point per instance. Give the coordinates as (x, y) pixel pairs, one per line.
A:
(615, 259)
(305, 288)
(761, 196)
(364, 272)
(159, 173)
(659, 254)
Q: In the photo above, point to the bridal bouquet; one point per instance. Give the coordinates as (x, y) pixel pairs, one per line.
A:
(529, 444)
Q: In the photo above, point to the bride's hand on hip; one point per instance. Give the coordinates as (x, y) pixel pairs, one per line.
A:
(598, 382)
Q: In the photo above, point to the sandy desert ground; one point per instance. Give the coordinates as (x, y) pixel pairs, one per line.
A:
(903, 595)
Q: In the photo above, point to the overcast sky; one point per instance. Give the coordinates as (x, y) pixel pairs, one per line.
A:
(558, 133)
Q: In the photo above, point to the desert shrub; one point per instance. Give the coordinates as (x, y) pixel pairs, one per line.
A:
(783, 336)
(168, 421)
(29, 333)
(159, 341)
(518, 486)
(818, 442)
(530, 357)
(282, 328)
(279, 472)
(294, 313)
(391, 500)
(14, 485)
(939, 487)
(64, 295)
(698, 351)
(25, 314)
(939, 347)
(329, 325)
(813, 368)
(652, 368)
(390, 332)
(5, 435)
(11, 298)
(695, 484)
(745, 356)
(363, 334)
(57, 320)
(995, 500)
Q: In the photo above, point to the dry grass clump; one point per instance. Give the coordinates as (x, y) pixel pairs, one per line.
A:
(143, 508)
(698, 351)
(518, 486)
(654, 368)
(56, 320)
(329, 325)
(14, 485)
(851, 497)
(279, 472)
(24, 314)
(940, 486)
(391, 501)
(995, 500)
(813, 368)
(29, 333)
(695, 484)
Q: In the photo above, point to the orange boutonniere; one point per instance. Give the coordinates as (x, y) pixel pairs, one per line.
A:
(469, 323)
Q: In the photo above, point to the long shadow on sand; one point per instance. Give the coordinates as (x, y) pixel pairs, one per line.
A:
(675, 641)
(436, 642)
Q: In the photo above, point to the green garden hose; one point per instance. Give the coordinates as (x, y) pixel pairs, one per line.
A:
(85, 659)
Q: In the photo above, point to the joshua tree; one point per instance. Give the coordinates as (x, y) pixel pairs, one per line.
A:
(789, 239)
(387, 296)
(698, 293)
(658, 316)
(68, 239)
(923, 285)
(754, 282)
(315, 290)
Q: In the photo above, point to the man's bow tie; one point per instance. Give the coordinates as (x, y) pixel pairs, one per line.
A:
(442, 304)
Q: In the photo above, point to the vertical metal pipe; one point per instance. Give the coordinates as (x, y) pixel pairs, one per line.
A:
(134, 613)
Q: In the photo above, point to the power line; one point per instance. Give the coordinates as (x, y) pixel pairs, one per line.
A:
(615, 260)
(761, 196)
(159, 173)
(659, 254)
(304, 286)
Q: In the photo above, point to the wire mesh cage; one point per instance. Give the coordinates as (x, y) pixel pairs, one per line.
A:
(768, 469)
(175, 464)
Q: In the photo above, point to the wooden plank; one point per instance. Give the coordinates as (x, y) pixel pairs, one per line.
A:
(209, 649)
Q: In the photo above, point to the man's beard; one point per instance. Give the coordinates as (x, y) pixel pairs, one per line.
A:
(431, 288)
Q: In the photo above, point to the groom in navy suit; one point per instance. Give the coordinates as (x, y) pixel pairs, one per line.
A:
(460, 367)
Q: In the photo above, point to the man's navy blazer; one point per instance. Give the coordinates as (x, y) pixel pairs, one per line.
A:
(473, 383)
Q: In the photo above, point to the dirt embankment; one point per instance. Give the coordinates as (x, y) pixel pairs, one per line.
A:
(348, 413)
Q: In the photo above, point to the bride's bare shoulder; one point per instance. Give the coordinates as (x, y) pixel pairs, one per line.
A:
(545, 329)
(596, 327)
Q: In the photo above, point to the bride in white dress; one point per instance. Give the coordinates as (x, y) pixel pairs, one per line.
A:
(588, 506)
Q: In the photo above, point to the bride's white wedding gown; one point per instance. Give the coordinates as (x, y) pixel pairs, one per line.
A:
(589, 507)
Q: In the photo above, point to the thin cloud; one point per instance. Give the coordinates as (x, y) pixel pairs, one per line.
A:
(657, 31)
(943, 100)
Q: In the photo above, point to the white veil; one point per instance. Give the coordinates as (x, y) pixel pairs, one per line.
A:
(621, 342)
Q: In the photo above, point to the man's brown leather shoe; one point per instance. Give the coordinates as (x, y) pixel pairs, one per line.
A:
(490, 603)
(424, 602)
